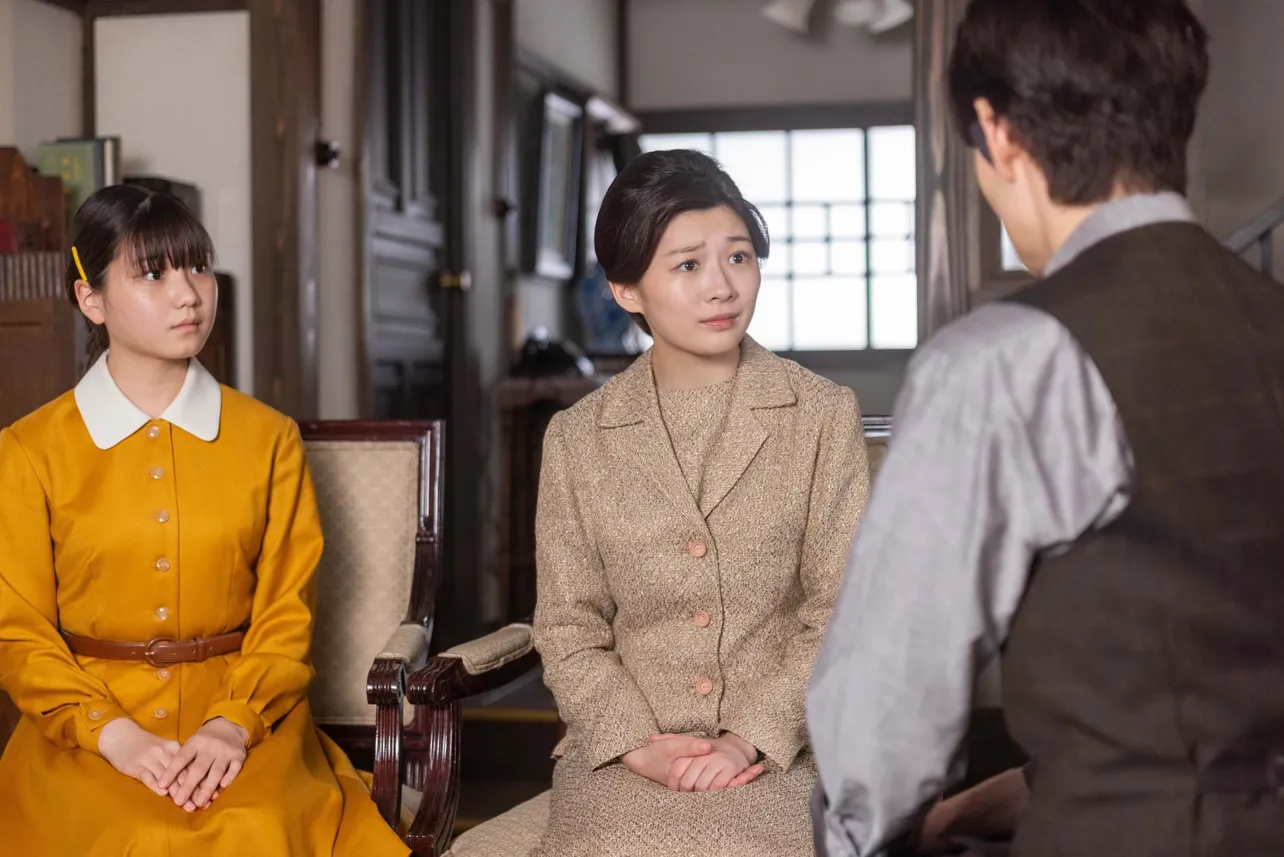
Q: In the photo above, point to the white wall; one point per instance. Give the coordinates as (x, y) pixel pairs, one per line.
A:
(41, 79)
(338, 221)
(176, 88)
(724, 53)
(576, 35)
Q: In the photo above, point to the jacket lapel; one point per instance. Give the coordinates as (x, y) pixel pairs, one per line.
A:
(761, 382)
(630, 410)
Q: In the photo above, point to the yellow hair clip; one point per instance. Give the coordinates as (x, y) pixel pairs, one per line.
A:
(79, 267)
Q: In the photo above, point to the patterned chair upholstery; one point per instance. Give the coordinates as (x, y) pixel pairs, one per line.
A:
(379, 493)
(487, 664)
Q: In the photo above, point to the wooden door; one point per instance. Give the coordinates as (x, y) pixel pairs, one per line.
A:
(408, 124)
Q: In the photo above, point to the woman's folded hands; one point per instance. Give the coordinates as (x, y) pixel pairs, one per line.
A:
(684, 763)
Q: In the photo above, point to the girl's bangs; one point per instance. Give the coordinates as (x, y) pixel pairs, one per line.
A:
(164, 235)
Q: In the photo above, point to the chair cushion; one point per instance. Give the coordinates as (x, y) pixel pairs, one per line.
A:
(513, 834)
(493, 650)
(368, 499)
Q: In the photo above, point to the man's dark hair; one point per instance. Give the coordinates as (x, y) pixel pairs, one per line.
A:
(1099, 92)
(649, 192)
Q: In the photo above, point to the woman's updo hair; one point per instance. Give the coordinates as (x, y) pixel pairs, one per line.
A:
(155, 231)
(649, 192)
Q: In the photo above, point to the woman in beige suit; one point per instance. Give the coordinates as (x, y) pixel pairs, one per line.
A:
(694, 520)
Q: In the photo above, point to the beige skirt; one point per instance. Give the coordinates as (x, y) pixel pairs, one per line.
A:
(613, 812)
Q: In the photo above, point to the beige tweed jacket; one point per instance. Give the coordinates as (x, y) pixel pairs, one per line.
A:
(658, 612)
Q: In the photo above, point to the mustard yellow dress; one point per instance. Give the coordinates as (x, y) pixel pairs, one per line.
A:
(119, 527)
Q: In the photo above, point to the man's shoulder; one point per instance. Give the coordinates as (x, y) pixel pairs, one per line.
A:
(993, 337)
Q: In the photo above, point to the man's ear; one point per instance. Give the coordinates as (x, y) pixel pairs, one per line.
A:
(999, 140)
(91, 302)
(626, 297)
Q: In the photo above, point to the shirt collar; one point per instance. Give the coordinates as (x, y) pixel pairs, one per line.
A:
(111, 417)
(1120, 215)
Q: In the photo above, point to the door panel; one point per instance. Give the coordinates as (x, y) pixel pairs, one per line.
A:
(404, 325)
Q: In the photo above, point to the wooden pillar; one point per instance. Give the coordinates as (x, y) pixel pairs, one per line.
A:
(285, 119)
(959, 237)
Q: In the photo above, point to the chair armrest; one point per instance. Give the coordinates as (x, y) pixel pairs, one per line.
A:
(385, 689)
(478, 666)
(408, 644)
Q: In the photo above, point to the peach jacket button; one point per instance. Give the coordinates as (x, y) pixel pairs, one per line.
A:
(702, 619)
(704, 687)
(697, 548)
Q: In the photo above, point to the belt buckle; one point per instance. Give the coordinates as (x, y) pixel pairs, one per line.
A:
(149, 652)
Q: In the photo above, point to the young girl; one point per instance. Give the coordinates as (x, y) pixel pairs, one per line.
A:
(158, 544)
(693, 525)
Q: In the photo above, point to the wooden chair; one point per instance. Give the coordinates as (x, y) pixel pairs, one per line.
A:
(482, 666)
(379, 492)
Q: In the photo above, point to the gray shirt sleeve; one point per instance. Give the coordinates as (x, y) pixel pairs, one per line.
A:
(1006, 443)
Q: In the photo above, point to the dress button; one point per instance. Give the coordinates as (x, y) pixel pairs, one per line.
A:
(95, 715)
(162, 516)
(697, 548)
(153, 432)
(703, 619)
(162, 564)
(160, 714)
(162, 614)
(156, 472)
(704, 687)
(163, 674)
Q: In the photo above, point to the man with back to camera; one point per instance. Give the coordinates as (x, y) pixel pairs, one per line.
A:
(1085, 479)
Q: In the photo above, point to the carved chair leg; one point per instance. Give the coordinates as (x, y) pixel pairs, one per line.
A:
(434, 825)
(385, 689)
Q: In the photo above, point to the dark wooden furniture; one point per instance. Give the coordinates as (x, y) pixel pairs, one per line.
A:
(41, 334)
(437, 692)
(525, 406)
(380, 496)
(219, 353)
(32, 208)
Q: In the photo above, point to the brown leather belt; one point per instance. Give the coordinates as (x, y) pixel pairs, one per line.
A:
(161, 651)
